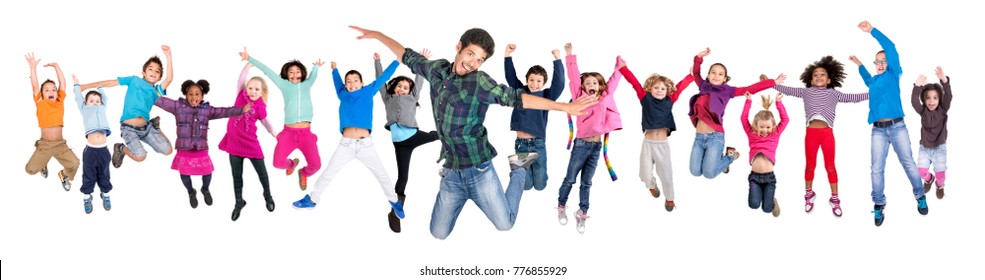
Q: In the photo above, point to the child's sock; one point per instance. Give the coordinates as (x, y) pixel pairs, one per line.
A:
(924, 173)
(940, 178)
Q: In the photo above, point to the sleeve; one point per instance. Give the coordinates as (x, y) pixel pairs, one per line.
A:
(866, 77)
(892, 56)
(339, 84)
(489, 92)
(381, 80)
(754, 88)
(61, 95)
(79, 98)
(557, 82)
(915, 99)
(791, 91)
(613, 81)
(167, 104)
(511, 78)
(784, 119)
(125, 81)
(418, 86)
(681, 85)
(379, 70)
(241, 85)
(574, 77)
(419, 65)
(745, 117)
(946, 98)
(312, 76)
(224, 112)
(640, 93)
(696, 71)
(274, 76)
(851, 97)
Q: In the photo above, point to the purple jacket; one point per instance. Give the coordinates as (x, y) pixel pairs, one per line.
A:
(193, 122)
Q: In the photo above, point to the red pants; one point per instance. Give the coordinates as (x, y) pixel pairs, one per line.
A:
(822, 138)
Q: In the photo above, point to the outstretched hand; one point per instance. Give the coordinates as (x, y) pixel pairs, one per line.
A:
(376, 56)
(167, 50)
(319, 62)
(620, 63)
(921, 80)
(31, 60)
(779, 79)
(865, 26)
(509, 49)
(749, 95)
(556, 53)
(333, 64)
(244, 55)
(855, 60)
(704, 53)
(247, 107)
(940, 74)
(53, 64)
(779, 95)
(567, 49)
(426, 53)
(366, 33)
(577, 107)
(74, 79)
(763, 77)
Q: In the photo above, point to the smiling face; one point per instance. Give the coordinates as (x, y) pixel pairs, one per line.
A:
(717, 75)
(254, 89)
(763, 128)
(881, 63)
(294, 74)
(402, 88)
(49, 90)
(535, 82)
(468, 59)
(820, 77)
(932, 99)
(152, 73)
(353, 82)
(658, 90)
(194, 96)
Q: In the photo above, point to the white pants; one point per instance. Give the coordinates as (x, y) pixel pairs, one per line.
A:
(656, 155)
(349, 149)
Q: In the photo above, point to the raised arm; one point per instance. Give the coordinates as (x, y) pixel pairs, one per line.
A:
(377, 84)
(640, 93)
(393, 45)
(681, 85)
(314, 72)
(574, 77)
(696, 68)
(104, 84)
(915, 96)
(170, 63)
(241, 84)
(58, 72)
(379, 70)
(861, 70)
(511, 78)
(745, 114)
(892, 56)
(33, 63)
(946, 84)
(557, 79)
(613, 81)
(274, 76)
(80, 99)
(784, 119)
(337, 79)
(419, 79)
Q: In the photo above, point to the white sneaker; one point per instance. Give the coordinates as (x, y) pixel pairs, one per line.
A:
(580, 218)
(562, 216)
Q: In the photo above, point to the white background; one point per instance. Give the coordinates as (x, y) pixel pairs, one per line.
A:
(152, 233)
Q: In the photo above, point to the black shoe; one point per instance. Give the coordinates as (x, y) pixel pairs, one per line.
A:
(118, 154)
(208, 197)
(922, 205)
(156, 123)
(192, 199)
(880, 213)
(236, 209)
(270, 203)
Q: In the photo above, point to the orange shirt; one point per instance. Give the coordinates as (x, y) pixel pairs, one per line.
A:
(50, 113)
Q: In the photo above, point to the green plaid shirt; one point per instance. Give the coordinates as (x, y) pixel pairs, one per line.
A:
(459, 104)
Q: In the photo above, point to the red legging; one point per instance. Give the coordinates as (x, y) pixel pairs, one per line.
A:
(822, 138)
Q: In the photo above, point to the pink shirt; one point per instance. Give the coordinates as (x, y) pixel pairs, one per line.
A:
(601, 118)
(765, 145)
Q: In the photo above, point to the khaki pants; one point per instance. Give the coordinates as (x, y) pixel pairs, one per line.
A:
(45, 150)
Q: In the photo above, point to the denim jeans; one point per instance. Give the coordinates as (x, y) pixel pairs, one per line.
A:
(537, 177)
(936, 156)
(897, 136)
(480, 184)
(762, 187)
(706, 155)
(584, 159)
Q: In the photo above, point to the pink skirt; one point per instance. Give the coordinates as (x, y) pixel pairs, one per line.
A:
(192, 162)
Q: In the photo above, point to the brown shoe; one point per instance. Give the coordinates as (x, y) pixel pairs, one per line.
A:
(392, 217)
(940, 192)
(776, 208)
(928, 183)
(655, 192)
(294, 165)
(669, 205)
(302, 181)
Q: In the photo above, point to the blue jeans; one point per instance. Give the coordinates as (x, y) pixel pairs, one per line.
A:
(584, 159)
(537, 177)
(897, 136)
(762, 187)
(480, 184)
(706, 155)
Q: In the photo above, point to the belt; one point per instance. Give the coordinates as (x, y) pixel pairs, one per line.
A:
(888, 123)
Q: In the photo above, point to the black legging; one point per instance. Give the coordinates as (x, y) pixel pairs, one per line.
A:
(404, 149)
(237, 164)
(187, 180)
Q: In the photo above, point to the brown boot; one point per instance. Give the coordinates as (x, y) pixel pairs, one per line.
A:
(392, 217)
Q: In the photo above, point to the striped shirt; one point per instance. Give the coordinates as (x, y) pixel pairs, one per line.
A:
(459, 104)
(821, 101)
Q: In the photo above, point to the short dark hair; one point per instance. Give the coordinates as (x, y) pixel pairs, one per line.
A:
(287, 66)
(93, 92)
(478, 37)
(538, 70)
(153, 59)
(201, 84)
(836, 71)
(353, 72)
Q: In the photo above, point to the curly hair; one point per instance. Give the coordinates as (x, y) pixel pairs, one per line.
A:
(836, 72)
(201, 84)
(656, 78)
(930, 87)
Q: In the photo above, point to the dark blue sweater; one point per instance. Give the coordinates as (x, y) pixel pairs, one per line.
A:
(534, 121)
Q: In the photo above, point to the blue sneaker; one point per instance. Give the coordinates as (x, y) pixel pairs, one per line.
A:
(304, 203)
(398, 208)
(922, 205)
(880, 215)
(106, 203)
(87, 203)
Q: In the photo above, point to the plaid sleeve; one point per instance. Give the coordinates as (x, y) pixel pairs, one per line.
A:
(419, 65)
(490, 92)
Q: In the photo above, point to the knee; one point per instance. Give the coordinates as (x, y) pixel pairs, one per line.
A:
(710, 175)
(754, 204)
(141, 158)
(439, 234)
(504, 227)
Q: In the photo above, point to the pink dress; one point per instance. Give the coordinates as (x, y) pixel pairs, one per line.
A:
(241, 132)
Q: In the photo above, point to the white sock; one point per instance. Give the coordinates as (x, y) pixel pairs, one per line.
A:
(87, 196)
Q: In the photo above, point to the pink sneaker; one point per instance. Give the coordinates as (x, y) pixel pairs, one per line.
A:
(809, 201)
(835, 206)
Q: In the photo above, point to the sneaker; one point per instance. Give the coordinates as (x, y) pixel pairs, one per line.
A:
(208, 197)
(87, 203)
(66, 184)
(940, 192)
(44, 172)
(270, 203)
(922, 205)
(304, 203)
(562, 215)
(655, 192)
(776, 208)
(193, 199)
(522, 160)
(580, 218)
(927, 184)
(732, 153)
(809, 201)
(669, 205)
(237, 208)
(398, 208)
(302, 181)
(835, 206)
(294, 164)
(880, 212)
(156, 123)
(118, 154)
(106, 203)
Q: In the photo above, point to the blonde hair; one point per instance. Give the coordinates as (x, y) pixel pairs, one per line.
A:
(765, 114)
(263, 87)
(656, 78)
